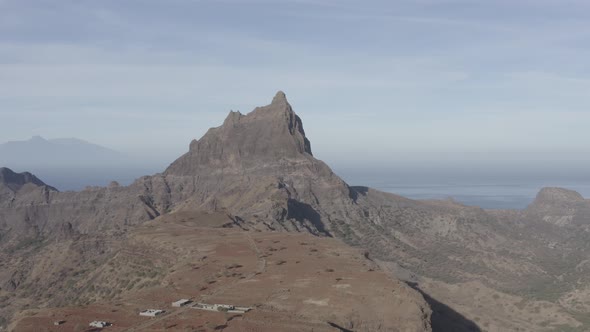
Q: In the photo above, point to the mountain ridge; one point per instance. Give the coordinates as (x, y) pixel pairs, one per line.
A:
(43, 155)
(71, 163)
(258, 171)
(16, 181)
(56, 141)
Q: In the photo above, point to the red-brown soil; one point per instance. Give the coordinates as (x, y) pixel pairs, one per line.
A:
(293, 282)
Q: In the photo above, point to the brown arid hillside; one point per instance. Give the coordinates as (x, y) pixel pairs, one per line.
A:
(105, 253)
(293, 282)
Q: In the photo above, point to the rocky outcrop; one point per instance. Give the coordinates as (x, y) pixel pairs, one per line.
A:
(267, 139)
(559, 206)
(9, 180)
(259, 167)
(555, 197)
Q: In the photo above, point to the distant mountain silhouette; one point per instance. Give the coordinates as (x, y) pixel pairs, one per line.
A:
(72, 163)
(61, 152)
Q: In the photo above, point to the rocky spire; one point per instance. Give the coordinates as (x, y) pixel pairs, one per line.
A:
(279, 98)
(264, 136)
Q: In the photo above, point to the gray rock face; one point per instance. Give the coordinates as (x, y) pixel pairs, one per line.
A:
(12, 181)
(560, 206)
(258, 168)
(264, 140)
(556, 197)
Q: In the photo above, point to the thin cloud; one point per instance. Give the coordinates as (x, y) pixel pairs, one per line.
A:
(457, 70)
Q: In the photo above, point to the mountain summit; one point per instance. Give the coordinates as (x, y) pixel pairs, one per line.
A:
(263, 137)
(259, 166)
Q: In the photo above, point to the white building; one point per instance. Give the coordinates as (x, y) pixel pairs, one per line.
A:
(239, 310)
(205, 306)
(181, 303)
(222, 307)
(151, 312)
(99, 324)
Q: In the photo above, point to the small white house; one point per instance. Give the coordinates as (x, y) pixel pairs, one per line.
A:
(151, 312)
(239, 310)
(181, 303)
(222, 307)
(99, 324)
(205, 306)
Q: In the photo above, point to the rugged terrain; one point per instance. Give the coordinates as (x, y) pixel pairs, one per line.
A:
(478, 270)
(293, 282)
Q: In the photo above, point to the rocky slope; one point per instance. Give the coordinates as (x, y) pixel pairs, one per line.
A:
(258, 170)
(293, 282)
(11, 182)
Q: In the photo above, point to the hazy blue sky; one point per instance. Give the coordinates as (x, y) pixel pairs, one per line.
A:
(378, 81)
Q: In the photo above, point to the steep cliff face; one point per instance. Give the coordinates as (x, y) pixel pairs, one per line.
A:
(44, 211)
(11, 181)
(265, 140)
(259, 167)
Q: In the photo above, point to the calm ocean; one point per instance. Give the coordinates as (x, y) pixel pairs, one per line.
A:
(489, 191)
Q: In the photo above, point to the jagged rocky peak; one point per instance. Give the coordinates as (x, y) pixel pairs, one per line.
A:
(15, 181)
(280, 114)
(267, 134)
(280, 98)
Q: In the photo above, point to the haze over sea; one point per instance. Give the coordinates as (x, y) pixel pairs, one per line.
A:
(489, 190)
